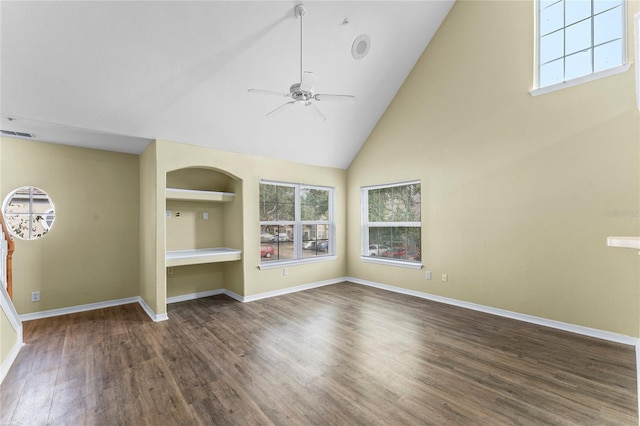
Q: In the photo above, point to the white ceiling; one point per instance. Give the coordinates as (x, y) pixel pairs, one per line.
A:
(115, 74)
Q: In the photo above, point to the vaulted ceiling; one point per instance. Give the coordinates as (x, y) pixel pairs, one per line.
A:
(114, 75)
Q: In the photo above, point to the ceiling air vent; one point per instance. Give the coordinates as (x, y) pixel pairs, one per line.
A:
(17, 134)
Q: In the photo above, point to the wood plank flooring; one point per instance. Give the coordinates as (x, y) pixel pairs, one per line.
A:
(343, 354)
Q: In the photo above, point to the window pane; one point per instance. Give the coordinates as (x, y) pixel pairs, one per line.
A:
(576, 10)
(395, 204)
(286, 194)
(314, 204)
(315, 240)
(268, 211)
(578, 64)
(286, 212)
(267, 193)
(578, 37)
(602, 5)
(41, 202)
(395, 243)
(607, 26)
(552, 18)
(552, 73)
(551, 47)
(276, 242)
(607, 56)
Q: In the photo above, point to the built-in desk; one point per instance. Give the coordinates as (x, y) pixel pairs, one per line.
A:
(205, 255)
(624, 242)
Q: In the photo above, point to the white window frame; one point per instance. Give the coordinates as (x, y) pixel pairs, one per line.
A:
(298, 226)
(537, 90)
(364, 250)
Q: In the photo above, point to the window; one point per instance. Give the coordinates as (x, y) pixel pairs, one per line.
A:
(29, 213)
(296, 222)
(391, 227)
(579, 37)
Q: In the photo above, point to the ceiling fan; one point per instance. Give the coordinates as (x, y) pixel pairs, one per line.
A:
(303, 93)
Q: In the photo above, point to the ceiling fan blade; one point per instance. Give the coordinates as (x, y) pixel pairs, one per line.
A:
(315, 109)
(267, 92)
(280, 108)
(308, 80)
(334, 98)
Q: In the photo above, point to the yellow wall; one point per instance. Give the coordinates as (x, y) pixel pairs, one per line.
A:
(241, 221)
(519, 193)
(91, 253)
(151, 244)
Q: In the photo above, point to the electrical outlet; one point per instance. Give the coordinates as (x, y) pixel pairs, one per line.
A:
(35, 296)
(427, 274)
(285, 271)
(445, 278)
(178, 214)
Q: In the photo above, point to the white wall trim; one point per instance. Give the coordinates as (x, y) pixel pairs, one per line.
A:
(580, 80)
(11, 357)
(16, 324)
(235, 296)
(578, 329)
(10, 311)
(193, 296)
(154, 317)
(288, 290)
(78, 308)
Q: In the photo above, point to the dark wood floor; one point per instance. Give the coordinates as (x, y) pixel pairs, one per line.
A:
(341, 354)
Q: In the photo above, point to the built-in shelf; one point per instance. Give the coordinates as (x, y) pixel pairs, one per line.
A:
(624, 242)
(197, 195)
(205, 255)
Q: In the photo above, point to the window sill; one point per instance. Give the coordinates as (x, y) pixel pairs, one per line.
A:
(291, 262)
(580, 80)
(395, 262)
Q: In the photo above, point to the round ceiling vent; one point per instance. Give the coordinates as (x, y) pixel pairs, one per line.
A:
(360, 46)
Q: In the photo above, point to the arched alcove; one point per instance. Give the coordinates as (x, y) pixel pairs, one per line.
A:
(203, 229)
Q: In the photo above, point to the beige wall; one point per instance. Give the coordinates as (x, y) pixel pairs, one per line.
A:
(91, 253)
(151, 244)
(241, 219)
(517, 190)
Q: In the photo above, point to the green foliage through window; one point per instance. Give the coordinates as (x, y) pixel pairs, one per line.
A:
(392, 222)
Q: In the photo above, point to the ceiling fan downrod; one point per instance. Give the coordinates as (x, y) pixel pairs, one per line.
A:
(299, 11)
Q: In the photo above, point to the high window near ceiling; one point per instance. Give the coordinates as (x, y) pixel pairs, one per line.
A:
(391, 224)
(296, 223)
(579, 38)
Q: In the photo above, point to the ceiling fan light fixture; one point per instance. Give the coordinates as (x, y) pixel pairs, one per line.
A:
(360, 46)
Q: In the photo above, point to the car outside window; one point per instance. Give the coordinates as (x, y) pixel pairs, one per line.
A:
(296, 222)
(391, 219)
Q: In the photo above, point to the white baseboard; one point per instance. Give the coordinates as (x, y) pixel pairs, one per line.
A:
(11, 357)
(192, 296)
(586, 331)
(254, 297)
(288, 290)
(154, 317)
(78, 308)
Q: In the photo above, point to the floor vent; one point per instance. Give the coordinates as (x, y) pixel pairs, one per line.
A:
(17, 134)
